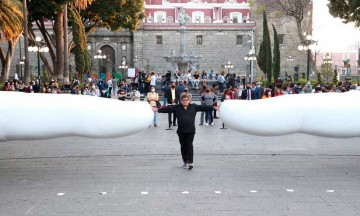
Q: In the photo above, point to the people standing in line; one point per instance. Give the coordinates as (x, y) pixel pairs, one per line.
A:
(153, 97)
(170, 95)
(209, 99)
(186, 113)
(248, 93)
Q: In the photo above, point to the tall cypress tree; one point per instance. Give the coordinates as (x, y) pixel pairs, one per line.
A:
(276, 59)
(265, 59)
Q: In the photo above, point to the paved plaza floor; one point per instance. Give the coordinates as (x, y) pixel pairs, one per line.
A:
(234, 174)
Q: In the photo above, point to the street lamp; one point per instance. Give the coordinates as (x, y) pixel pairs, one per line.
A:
(251, 57)
(123, 67)
(39, 47)
(346, 65)
(289, 58)
(308, 44)
(327, 62)
(229, 66)
(99, 56)
(21, 62)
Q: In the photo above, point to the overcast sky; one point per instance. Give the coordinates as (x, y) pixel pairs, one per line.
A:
(331, 33)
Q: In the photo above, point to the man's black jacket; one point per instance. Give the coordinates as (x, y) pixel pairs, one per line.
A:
(186, 117)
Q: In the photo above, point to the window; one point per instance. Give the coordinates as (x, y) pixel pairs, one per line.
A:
(158, 39)
(239, 39)
(159, 17)
(199, 39)
(281, 39)
(197, 17)
(236, 17)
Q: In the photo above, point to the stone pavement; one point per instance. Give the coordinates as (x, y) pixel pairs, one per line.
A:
(234, 174)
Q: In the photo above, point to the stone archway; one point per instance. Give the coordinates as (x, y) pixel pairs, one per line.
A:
(107, 64)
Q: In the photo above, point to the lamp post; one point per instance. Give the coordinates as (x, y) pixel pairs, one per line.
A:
(99, 56)
(289, 58)
(123, 67)
(39, 47)
(229, 66)
(308, 44)
(346, 65)
(22, 61)
(250, 57)
(327, 63)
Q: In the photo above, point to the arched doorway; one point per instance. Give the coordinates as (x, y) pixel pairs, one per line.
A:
(107, 64)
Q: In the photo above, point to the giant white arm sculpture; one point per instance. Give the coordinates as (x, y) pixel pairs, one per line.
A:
(334, 115)
(44, 116)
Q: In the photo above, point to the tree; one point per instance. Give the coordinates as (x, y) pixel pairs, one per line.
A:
(326, 71)
(264, 57)
(347, 10)
(82, 57)
(319, 78)
(11, 27)
(276, 59)
(111, 14)
(296, 9)
(335, 77)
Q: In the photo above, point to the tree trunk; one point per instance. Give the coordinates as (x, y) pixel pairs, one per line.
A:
(59, 41)
(26, 45)
(66, 56)
(6, 67)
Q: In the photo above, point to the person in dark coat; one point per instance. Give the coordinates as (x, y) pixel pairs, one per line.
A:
(186, 114)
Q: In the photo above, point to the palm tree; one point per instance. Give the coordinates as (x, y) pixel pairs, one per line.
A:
(82, 4)
(11, 28)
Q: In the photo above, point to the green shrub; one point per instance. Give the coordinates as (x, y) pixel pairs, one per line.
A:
(2, 86)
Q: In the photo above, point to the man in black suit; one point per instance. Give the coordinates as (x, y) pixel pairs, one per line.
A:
(172, 95)
(247, 93)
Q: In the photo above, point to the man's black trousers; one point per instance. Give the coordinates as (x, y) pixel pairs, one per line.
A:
(186, 143)
(173, 120)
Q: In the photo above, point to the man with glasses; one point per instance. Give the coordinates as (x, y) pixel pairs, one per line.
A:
(186, 114)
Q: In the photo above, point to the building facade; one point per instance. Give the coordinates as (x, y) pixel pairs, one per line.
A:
(220, 31)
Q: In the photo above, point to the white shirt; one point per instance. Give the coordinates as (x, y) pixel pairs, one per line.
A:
(153, 80)
(109, 83)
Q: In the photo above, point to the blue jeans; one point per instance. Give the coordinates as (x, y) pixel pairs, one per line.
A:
(221, 87)
(164, 101)
(155, 118)
(208, 117)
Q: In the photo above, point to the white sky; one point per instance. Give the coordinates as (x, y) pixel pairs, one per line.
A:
(331, 33)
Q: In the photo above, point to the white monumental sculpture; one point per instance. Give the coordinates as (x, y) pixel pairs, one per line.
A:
(333, 115)
(44, 116)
